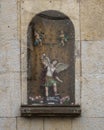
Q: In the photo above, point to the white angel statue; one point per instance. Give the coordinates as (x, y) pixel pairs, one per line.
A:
(53, 67)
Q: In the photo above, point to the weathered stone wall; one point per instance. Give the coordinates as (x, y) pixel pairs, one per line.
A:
(88, 19)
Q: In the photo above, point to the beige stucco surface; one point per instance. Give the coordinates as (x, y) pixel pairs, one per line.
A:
(92, 19)
(88, 19)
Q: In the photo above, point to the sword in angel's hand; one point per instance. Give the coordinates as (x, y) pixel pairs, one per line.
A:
(45, 60)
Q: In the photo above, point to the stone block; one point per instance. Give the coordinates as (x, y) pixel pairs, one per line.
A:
(10, 95)
(9, 56)
(30, 8)
(24, 87)
(77, 89)
(92, 96)
(7, 123)
(39, 6)
(77, 72)
(23, 57)
(92, 19)
(93, 57)
(8, 20)
(77, 57)
(57, 124)
(88, 124)
(29, 124)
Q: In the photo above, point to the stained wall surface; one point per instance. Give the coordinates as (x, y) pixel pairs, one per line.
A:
(88, 19)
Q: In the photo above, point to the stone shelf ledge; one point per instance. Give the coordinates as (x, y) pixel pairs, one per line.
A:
(50, 110)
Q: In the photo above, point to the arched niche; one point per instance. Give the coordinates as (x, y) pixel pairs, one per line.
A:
(50, 34)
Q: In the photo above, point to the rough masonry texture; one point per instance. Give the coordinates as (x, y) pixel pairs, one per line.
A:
(88, 19)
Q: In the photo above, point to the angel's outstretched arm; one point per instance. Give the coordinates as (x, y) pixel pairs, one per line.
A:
(59, 79)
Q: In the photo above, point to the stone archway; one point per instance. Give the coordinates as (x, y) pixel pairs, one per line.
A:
(57, 41)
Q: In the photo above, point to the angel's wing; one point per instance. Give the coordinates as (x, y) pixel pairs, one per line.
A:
(45, 59)
(61, 67)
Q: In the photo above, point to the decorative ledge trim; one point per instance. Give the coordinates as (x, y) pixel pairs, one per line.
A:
(50, 110)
